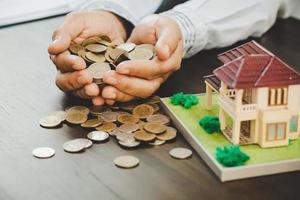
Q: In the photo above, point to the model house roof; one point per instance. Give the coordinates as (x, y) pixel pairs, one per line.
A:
(250, 66)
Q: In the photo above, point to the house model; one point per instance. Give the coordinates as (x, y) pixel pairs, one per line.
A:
(258, 97)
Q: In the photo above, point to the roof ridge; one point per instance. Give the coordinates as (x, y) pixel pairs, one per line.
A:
(265, 70)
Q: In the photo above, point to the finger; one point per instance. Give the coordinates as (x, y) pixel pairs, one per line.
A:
(88, 91)
(131, 85)
(72, 80)
(110, 102)
(98, 101)
(112, 94)
(65, 62)
(62, 37)
(167, 40)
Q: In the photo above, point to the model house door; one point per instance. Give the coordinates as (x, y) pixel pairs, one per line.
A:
(246, 128)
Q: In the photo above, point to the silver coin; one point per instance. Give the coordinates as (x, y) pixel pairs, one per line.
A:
(109, 116)
(126, 46)
(61, 115)
(74, 146)
(50, 121)
(98, 136)
(128, 128)
(181, 153)
(87, 143)
(126, 161)
(158, 118)
(43, 152)
(115, 132)
(129, 144)
(125, 137)
(157, 142)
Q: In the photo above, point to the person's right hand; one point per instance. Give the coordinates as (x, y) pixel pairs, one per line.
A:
(77, 26)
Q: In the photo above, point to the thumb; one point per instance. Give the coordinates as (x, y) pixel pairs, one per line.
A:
(63, 36)
(167, 41)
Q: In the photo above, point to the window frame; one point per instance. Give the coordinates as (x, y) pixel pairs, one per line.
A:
(276, 131)
(284, 96)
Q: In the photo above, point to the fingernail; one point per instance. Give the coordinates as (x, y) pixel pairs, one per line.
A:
(111, 80)
(81, 80)
(123, 70)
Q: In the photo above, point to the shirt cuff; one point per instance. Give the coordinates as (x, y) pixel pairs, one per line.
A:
(111, 7)
(194, 32)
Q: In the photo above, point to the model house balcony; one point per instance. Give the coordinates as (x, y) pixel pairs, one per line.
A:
(235, 108)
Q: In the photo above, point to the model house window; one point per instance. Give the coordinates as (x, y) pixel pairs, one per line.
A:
(276, 131)
(294, 124)
(278, 96)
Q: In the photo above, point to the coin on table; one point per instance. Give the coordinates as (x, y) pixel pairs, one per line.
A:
(97, 70)
(96, 48)
(97, 110)
(127, 119)
(155, 106)
(43, 152)
(106, 127)
(168, 135)
(128, 128)
(74, 48)
(76, 117)
(109, 116)
(143, 111)
(126, 46)
(144, 136)
(129, 144)
(115, 132)
(126, 161)
(125, 137)
(50, 121)
(155, 128)
(98, 136)
(145, 46)
(93, 57)
(74, 146)
(181, 153)
(82, 109)
(157, 142)
(140, 54)
(92, 123)
(158, 118)
(87, 143)
(60, 114)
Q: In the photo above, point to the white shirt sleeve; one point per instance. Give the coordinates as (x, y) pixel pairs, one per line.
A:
(131, 10)
(207, 24)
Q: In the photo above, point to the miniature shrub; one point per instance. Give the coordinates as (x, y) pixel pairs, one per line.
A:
(185, 100)
(231, 156)
(210, 124)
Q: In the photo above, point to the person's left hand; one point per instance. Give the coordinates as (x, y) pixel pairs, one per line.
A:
(141, 78)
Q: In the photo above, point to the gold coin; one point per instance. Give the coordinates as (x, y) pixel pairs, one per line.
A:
(158, 118)
(114, 54)
(92, 123)
(107, 127)
(155, 106)
(82, 109)
(98, 58)
(96, 48)
(76, 117)
(180, 153)
(143, 111)
(75, 48)
(90, 40)
(105, 38)
(168, 135)
(140, 54)
(107, 53)
(127, 119)
(82, 53)
(97, 70)
(144, 136)
(126, 161)
(97, 110)
(155, 128)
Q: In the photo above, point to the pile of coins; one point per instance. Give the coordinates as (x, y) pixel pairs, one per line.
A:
(101, 55)
(131, 124)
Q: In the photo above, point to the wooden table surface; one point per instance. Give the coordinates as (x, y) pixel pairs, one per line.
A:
(28, 92)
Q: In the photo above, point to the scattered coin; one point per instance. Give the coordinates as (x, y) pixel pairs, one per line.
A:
(155, 128)
(82, 109)
(76, 117)
(50, 121)
(92, 123)
(74, 146)
(127, 119)
(143, 111)
(126, 46)
(61, 115)
(181, 153)
(144, 136)
(128, 128)
(126, 161)
(109, 116)
(98, 136)
(107, 127)
(158, 118)
(129, 144)
(168, 135)
(157, 142)
(43, 152)
(87, 143)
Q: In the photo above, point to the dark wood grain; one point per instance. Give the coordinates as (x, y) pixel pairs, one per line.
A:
(27, 92)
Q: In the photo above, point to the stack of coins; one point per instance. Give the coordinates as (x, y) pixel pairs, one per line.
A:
(101, 55)
(131, 123)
